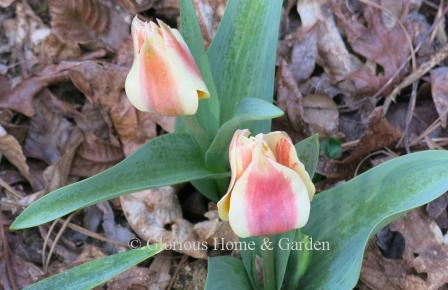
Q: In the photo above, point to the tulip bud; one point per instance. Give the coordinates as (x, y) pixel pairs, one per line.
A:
(270, 190)
(164, 77)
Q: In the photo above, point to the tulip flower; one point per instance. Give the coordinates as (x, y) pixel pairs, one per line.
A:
(164, 77)
(270, 190)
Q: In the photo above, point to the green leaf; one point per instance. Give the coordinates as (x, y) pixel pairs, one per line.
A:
(332, 148)
(208, 111)
(347, 215)
(308, 153)
(298, 262)
(243, 53)
(249, 109)
(208, 188)
(226, 273)
(94, 273)
(165, 160)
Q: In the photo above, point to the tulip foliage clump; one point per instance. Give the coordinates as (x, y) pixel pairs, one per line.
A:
(223, 144)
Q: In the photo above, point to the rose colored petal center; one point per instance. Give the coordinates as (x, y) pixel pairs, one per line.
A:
(272, 206)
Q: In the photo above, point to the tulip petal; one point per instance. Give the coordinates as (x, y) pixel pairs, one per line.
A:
(268, 199)
(285, 154)
(174, 41)
(240, 156)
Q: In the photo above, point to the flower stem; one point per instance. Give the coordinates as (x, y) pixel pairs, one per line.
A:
(267, 257)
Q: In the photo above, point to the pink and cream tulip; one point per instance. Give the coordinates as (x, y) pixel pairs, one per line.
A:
(164, 77)
(270, 190)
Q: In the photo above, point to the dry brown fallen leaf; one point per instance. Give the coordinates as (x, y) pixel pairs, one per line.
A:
(380, 273)
(379, 134)
(86, 22)
(156, 216)
(334, 56)
(25, 273)
(95, 155)
(136, 6)
(29, 33)
(439, 88)
(12, 150)
(134, 278)
(48, 133)
(209, 13)
(20, 99)
(304, 54)
(425, 257)
(289, 97)
(373, 41)
(321, 115)
(191, 276)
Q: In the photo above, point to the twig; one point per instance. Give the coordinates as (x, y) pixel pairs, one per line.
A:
(403, 65)
(422, 70)
(8, 187)
(94, 235)
(46, 239)
(56, 239)
(388, 153)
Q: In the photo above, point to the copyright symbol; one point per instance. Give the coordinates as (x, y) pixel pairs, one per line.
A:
(135, 243)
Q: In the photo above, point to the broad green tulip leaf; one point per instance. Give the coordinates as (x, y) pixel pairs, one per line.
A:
(96, 272)
(249, 109)
(226, 273)
(298, 262)
(243, 53)
(208, 188)
(308, 153)
(165, 160)
(347, 215)
(208, 111)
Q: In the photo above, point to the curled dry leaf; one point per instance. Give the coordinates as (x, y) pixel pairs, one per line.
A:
(209, 13)
(439, 88)
(387, 274)
(20, 99)
(29, 33)
(438, 210)
(334, 55)
(85, 21)
(425, 257)
(95, 155)
(12, 150)
(56, 175)
(289, 97)
(54, 50)
(156, 216)
(321, 114)
(304, 55)
(136, 6)
(379, 134)
(49, 133)
(25, 273)
(373, 41)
